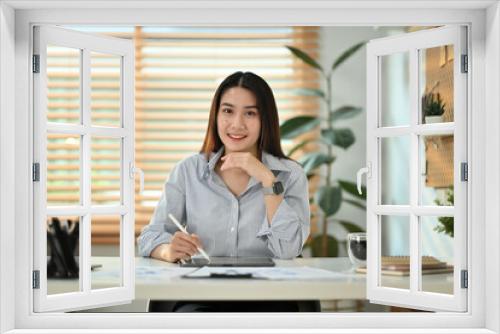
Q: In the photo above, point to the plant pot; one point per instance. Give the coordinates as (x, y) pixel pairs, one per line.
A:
(433, 119)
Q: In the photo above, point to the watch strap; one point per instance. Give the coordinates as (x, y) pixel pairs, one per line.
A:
(276, 189)
(268, 190)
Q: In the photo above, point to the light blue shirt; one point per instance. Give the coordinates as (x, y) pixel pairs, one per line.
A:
(230, 225)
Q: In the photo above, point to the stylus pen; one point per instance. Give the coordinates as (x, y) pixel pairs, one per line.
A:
(180, 227)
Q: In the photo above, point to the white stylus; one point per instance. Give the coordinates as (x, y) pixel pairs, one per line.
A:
(180, 227)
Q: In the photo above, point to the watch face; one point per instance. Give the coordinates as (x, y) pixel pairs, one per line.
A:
(278, 188)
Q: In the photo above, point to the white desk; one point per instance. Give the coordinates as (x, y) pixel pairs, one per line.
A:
(164, 286)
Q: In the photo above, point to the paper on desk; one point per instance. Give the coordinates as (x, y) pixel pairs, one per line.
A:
(274, 273)
(144, 272)
(149, 272)
(297, 273)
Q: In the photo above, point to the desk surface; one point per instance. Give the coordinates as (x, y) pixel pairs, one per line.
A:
(160, 280)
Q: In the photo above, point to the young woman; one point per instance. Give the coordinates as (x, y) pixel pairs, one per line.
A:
(240, 196)
(224, 195)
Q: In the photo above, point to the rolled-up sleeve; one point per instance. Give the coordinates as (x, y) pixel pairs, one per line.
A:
(290, 225)
(160, 230)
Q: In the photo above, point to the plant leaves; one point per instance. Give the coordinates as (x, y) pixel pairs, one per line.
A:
(300, 145)
(346, 54)
(313, 160)
(352, 189)
(350, 227)
(297, 125)
(332, 249)
(328, 136)
(354, 203)
(304, 57)
(339, 137)
(309, 92)
(329, 199)
(345, 112)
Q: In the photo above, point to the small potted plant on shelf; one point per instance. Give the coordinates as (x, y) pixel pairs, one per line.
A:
(433, 108)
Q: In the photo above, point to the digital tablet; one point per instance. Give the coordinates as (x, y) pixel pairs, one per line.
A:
(229, 262)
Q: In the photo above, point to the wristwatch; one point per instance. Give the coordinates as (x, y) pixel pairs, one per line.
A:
(276, 189)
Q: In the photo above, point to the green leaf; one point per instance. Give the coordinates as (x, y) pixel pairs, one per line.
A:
(350, 227)
(346, 54)
(345, 112)
(309, 92)
(304, 57)
(352, 189)
(339, 137)
(314, 160)
(354, 203)
(329, 199)
(328, 136)
(300, 145)
(332, 249)
(297, 125)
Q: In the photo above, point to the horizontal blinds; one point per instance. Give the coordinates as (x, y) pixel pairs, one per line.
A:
(177, 72)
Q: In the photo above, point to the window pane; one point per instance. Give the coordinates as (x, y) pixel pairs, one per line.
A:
(63, 84)
(63, 169)
(62, 254)
(437, 254)
(106, 243)
(395, 170)
(105, 102)
(436, 169)
(436, 84)
(395, 251)
(394, 89)
(106, 170)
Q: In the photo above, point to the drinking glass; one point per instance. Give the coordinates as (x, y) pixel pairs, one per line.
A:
(356, 248)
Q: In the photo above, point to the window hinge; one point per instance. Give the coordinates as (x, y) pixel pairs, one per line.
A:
(465, 279)
(465, 66)
(36, 63)
(464, 171)
(36, 279)
(36, 171)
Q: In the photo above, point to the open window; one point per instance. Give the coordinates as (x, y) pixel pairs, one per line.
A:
(67, 144)
(417, 163)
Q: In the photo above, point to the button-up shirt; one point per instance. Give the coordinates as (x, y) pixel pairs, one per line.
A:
(230, 225)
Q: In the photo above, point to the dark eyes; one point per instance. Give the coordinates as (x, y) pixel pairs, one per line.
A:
(251, 113)
(247, 113)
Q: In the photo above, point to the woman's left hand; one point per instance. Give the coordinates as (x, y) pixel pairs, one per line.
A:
(250, 164)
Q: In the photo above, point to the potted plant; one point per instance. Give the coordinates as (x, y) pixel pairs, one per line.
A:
(332, 193)
(433, 108)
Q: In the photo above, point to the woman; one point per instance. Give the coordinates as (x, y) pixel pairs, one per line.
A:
(240, 196)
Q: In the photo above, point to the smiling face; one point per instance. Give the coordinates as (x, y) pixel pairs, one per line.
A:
(238, 121)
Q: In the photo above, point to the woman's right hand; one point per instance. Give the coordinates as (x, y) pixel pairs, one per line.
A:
(182, 246)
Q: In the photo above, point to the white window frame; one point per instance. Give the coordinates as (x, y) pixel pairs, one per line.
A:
(85, 297)
(484, 211)
(412, 44)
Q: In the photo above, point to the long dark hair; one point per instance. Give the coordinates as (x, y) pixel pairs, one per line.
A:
(269, 139)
